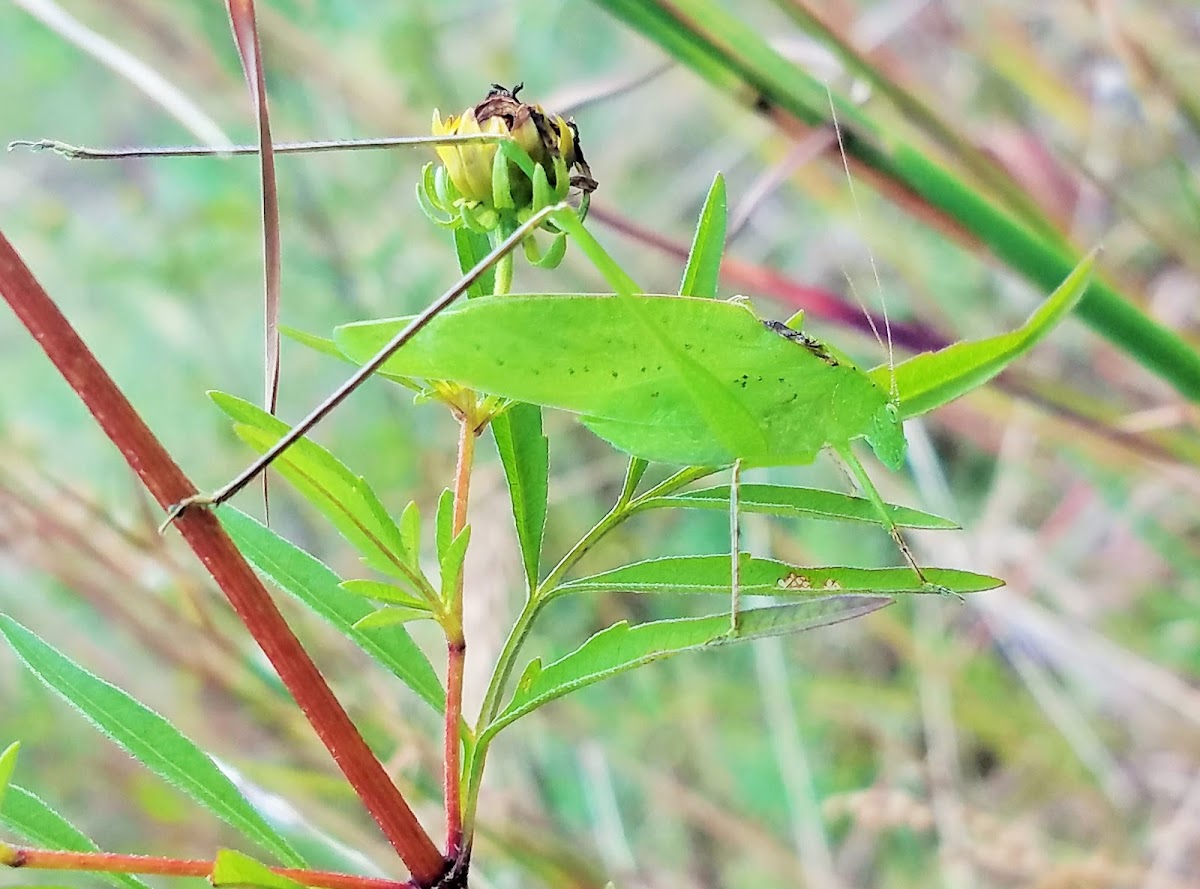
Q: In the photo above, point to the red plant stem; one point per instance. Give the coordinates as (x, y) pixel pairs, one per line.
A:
(109, 862)
(456, 651)
(203, 533)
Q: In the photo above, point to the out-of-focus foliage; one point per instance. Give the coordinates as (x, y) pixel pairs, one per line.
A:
(1038, 735)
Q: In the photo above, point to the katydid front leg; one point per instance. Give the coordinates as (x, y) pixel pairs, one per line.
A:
(869, 490)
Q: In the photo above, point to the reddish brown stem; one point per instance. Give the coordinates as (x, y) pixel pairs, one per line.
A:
(203, 533)
(108, 862)
(456, 649)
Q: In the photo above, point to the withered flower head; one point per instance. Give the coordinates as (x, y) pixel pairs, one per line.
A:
(482, 182)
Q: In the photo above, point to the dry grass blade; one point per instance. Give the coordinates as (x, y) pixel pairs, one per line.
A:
(245, 34)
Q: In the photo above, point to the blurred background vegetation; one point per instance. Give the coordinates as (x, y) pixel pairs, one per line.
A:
(1046, 735)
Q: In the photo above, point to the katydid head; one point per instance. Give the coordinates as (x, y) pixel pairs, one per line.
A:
(886, 437)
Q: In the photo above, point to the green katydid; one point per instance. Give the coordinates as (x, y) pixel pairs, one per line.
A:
(692, 380)
(683, 379)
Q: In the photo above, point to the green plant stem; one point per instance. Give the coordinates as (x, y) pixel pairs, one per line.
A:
(624, 508)
(504, 266)
(491, 706)
(108, 862)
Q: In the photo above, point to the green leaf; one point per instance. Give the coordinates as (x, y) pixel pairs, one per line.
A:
(232, 869)
(711, 385)
(391, 615)
(451, 566)
(443, 522)
(932, 379)
(8, 762)
(622, 647)
(525, 455)
(787, 501)
(471, 247)
(702, 273)
(410, 529)
(146, 736)
(384, 592)
(28, 816)
(298, 574)
(326, 346)
(768, 577)
(324, 481)
(321, 344)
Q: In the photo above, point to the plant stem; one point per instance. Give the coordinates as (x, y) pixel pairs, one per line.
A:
(108, 862)
(456, 642)
(491, 703)
(502, 283)
(203, 533)
(624, 508)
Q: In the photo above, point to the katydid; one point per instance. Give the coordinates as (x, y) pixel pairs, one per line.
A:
(683, 379)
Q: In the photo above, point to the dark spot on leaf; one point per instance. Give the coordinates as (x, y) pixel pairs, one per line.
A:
(615, 374)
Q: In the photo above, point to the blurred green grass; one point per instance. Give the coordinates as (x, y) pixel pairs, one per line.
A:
(1047, 727)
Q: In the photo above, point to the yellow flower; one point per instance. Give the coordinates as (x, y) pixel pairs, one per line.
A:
(551, 141)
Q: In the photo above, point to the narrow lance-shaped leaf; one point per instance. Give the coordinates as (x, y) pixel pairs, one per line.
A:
(325, 346)
(525, 455)
(452, 560)
(471, 247)
(341, 496)
(28, 816)
(384, 592)
(234, 869)
(622, 647)
(443, 523)
(146, 736)
(932, 379)
(8, 762)
(702, 273)
(391, 615)
(306, 578)
(793, 502)
(769, 577)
